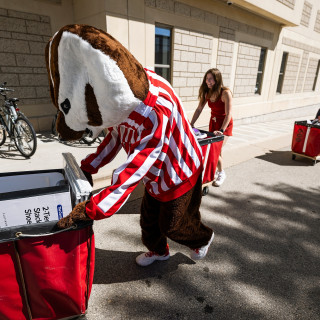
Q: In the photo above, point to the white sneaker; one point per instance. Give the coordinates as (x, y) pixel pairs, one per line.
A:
(220, 179)
(197, 254)
(216, 175)
(145, 259)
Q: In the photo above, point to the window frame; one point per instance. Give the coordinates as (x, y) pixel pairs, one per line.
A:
(282, 71)
(316, 77)
(261, 72)
(160, 65)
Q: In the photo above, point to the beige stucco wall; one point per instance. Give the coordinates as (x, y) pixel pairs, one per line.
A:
(206, 33)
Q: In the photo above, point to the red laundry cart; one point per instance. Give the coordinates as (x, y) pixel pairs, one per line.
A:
(306, 140)
(211, 147)
(45, 273)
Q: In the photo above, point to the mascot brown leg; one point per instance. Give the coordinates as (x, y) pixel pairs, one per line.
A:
(178, 220)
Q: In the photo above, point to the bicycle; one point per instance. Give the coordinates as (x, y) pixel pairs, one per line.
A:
(86, 138)
(16, 125)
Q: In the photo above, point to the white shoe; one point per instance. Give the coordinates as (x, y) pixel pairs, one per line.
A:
(216, 175)
(145, 259)
(220, 179)
(197, 254)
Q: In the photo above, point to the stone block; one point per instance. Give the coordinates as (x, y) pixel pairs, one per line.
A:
(194, 67)
(201, 57)
(188, 56)
(203, 43)
(5, 34)
(33, 79)
(167, 5)
(182, 9)
(3, 12)
(180, 66)
(39, 70)
(29, 37)
(38, 28)
(12, 25)
(195, 49)
(23, 15)
(42, 92)
(177, 37)
(7, 59)
(16, 70)
(27, 60)
(150, 3)
(26, 92)
(11, 79)
(211, 18)
(197, 13)
(193, 82)
(189, 40)
(37, 47)
(14, 46)
(186, 92)
(179, 82)
(176, 55)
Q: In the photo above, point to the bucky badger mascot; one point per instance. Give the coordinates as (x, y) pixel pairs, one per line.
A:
(96, 83)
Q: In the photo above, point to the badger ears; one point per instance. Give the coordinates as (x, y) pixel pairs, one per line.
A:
(93, 112)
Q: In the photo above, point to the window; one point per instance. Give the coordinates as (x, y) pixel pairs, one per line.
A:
(260, 71)
(163, 52)
(316, 77)
(282, 70)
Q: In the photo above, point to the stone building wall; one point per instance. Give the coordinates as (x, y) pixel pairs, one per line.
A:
(311, 72)
(288, 3)
(191, 59)
(23, 37)
(225, 53)
(306, 14)
(291, 73)
(302, 71)
(317, 22)
(247, 70)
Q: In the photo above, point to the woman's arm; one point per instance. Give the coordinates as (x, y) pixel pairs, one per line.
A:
(198, 112)
(227, 99)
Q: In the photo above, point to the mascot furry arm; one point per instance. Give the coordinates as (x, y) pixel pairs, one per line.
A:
(96, 83)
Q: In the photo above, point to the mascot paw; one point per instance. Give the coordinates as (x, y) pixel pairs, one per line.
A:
(77, 214)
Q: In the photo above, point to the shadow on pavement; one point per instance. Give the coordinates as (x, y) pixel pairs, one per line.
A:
(123, 268)
(267, 257)
(284, 158)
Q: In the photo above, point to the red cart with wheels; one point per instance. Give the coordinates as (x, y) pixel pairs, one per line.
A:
(45, 273)
(211, 148)
(306, 140)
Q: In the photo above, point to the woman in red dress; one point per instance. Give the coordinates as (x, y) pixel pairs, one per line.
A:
(219, 100)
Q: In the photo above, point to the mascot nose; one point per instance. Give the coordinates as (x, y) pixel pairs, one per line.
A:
(65, 106)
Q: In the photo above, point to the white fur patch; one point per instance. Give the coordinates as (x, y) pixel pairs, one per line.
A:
(79, 64)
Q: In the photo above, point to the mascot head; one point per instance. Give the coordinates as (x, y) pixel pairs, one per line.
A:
(95, 82)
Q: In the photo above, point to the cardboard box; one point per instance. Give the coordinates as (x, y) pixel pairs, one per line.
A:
(33, 197)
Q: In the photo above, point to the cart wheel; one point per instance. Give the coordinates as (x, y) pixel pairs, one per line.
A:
(205, 191)
(293, 156)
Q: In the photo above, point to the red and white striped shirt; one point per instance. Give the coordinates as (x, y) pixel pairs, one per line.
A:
(162, 150)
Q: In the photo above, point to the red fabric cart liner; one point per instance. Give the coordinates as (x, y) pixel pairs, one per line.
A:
(306, 140)
(47, 277)
(211, 154)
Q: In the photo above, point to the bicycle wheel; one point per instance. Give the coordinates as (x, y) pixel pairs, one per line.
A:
(2, 136)
(24, 136)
